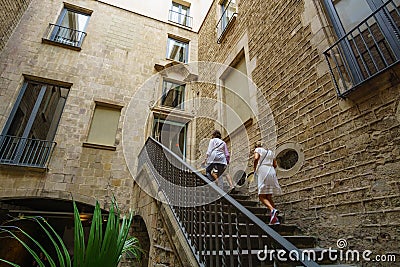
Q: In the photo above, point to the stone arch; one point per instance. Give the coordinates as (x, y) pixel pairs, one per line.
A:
(55, 194)
(139, 230)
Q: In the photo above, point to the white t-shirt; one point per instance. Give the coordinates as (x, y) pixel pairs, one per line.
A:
(216, 151)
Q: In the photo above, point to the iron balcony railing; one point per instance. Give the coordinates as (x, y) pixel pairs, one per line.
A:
(25, 152)
(64, 35)
(180, 18)
(228, 16)
(370, 48)
(219, 230)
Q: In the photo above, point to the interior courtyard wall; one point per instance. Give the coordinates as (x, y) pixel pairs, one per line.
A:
(348, 185)
(117, 56)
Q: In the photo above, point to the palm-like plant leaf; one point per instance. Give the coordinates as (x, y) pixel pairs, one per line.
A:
(62, 253)
(107, 249)
(79, 241)
(26, 246)
(93, 249)
(11, 263)
(60, 248)
(132, 246)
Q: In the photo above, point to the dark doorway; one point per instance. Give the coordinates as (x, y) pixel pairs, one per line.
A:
(58, 213)
(139, 231)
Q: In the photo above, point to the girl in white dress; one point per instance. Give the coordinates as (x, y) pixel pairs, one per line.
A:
(268, 185)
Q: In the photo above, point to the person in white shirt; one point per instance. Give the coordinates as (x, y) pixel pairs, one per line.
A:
(217, 156)
(268, 185)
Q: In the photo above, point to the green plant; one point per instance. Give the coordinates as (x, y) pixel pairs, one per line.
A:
(101, 249)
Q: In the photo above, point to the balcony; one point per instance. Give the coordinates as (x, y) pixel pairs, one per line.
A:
(227, 18)
(180, 18)
(25, 152)
(369, 49)
(64, 36)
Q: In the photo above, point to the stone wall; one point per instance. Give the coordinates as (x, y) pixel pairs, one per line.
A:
(348, 185)
(117, 56)
(11, 12)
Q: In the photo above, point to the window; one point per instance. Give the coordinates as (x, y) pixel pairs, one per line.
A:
(351, 13)
(368, 40)
(172, 134)
(173, 95)
(228, 16)
(236, 96)
(103, 128)
(180, 14)
(27, 138)
(177, 50)
(70, 27)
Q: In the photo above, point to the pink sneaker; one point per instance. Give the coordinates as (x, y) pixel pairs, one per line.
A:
(274, 217)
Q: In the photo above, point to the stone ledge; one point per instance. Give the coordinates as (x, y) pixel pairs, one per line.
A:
(383, 225)
(329, 185)
(327, 195)
(355, 202)
(396, 209)
(329, 173)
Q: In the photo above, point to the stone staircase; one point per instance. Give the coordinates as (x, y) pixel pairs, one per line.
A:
(306, 244)
(224, 229)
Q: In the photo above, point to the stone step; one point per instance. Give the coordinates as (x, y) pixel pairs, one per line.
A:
(253, 205)
(282, 229)
(241, 218)
(307, 244)
(220, 242)
(253, 209)
(244, 258)
(256, 209)
(239, 196)
(250, 203)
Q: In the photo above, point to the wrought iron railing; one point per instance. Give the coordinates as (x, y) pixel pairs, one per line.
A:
(227, 17)
(367, 50)
(219, 230)
(180, 18)
(25, 152)
(64, 35)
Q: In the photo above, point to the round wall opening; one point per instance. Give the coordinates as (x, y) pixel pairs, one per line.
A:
(287, 159)
(290, 159)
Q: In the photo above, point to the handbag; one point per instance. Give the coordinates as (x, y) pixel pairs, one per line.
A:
(260, 163)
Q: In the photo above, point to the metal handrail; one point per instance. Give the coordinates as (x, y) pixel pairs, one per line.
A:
(213, 230)
(188, 19)
(229, 16)
(365, 51)
(64, 35)
(27, 152)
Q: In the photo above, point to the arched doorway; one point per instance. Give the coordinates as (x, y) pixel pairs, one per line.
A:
(139, 230)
